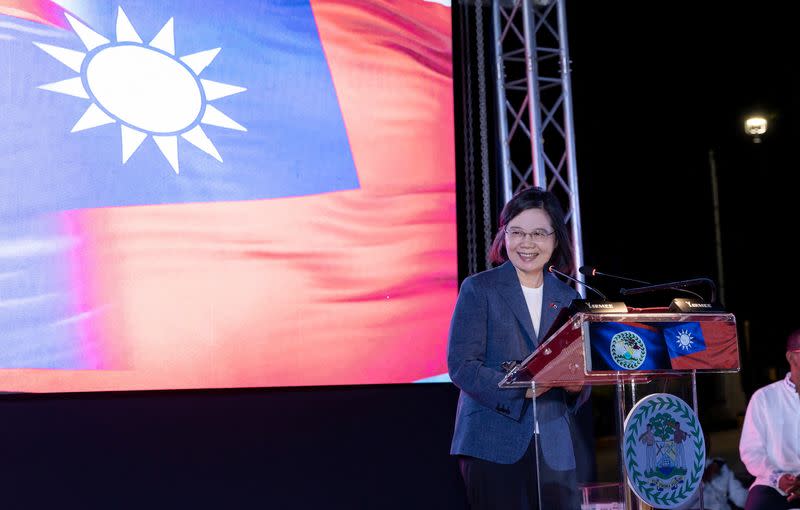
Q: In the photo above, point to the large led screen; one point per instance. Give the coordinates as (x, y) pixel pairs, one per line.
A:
(226, 193)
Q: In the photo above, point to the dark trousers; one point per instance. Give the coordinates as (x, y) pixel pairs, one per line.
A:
(762, 497)
(492, 486)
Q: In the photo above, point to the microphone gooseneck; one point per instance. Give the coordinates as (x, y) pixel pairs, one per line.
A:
(553, 269)
(592, 271)
(674, 286)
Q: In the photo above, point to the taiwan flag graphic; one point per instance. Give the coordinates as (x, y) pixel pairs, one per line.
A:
(683, 338)
(224, 193)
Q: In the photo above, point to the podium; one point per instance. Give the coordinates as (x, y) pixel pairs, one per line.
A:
(631, 351)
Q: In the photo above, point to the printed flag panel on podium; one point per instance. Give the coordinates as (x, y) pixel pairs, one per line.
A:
(224, 194)
(703, 345)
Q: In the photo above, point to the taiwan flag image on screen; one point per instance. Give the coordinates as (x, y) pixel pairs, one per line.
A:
(144, 93)
(224, 193)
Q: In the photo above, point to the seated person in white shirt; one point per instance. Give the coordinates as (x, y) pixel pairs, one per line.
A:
(770, 443)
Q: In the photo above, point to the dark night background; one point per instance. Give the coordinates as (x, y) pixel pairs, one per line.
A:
(656, 86)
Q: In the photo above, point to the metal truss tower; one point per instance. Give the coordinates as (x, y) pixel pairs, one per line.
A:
(534, 104)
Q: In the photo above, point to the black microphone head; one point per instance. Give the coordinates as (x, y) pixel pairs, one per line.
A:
(587, 270)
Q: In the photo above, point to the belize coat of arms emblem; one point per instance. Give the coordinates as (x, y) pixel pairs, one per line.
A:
(664, 450)
(628, 350)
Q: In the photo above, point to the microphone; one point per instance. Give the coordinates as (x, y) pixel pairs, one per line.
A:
(553, 269)
(674, 286)
(592, 271)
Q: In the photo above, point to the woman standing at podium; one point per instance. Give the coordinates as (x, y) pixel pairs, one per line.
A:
(501, 315)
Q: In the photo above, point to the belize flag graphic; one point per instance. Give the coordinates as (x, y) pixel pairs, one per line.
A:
(224, 194)
(627, 346)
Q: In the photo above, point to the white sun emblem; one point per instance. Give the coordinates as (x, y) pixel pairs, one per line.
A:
(684, 339)
(143, 87)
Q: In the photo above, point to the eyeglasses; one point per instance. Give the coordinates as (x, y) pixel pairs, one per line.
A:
(538, 235)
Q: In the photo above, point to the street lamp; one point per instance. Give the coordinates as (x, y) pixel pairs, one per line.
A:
(755, 126)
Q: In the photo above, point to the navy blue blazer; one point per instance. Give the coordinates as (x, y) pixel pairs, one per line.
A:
(491, 324)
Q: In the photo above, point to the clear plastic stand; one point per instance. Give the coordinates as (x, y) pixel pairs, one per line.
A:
(536, 444)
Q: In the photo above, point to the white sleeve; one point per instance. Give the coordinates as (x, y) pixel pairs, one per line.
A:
(753, 445)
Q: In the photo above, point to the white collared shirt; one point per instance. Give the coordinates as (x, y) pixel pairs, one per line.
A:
(770, 443)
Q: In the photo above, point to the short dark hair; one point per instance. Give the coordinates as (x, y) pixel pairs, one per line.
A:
(793, 341)
(535, 198)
